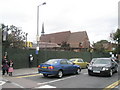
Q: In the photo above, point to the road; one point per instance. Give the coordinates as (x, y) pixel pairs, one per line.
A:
(83, 80)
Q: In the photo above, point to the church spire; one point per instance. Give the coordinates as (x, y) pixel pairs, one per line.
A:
(42, 33)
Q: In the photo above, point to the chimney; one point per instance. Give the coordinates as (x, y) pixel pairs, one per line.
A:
(42, 33)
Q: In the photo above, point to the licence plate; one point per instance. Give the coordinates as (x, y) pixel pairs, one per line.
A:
(44, 67)
(96, 71)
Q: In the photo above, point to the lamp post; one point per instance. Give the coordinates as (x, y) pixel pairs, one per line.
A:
(37, 48)
(38, 23)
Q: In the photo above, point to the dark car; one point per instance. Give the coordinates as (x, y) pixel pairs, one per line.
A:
(103, 66)
(115, 59)
(58, 67)
(93, 60)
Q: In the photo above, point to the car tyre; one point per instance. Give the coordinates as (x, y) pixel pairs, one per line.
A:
(89, 74)
(78, 71)
(116, 70)
(87, 66)
(111, 73)
(60, 74)
(45, 75)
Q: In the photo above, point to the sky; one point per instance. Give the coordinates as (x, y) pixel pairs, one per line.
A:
(97, 17)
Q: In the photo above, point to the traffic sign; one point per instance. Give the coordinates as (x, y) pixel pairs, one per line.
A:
(36, 52)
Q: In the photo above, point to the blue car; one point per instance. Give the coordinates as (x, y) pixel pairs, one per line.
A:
(58, 67)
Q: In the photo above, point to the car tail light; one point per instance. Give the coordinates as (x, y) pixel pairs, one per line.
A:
(50, 67)
(38, 66)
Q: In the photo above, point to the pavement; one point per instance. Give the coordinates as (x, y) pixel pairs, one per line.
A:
(25, 71)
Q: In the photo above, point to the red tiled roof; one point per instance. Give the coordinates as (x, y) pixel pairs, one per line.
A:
(56, 37)
(76, 39)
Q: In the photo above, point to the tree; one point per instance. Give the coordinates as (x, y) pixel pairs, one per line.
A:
(99, 46)
(14, 38)
(116, 38)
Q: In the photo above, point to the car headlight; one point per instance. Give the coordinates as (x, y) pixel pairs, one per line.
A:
(105, 68)
(90, 68)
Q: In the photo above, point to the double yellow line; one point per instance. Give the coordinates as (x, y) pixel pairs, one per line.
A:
(112, 85)
(28, 75)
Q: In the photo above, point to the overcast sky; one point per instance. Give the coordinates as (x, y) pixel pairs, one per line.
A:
(98, 17)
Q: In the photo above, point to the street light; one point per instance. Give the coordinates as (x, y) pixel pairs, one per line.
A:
(38, 24)
(37, 48)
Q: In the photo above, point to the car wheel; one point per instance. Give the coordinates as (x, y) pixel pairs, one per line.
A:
(110, 73)
(87, 66)
(89, 74)
(116, 70)
(45, 75)
(78, 71)
(60, 74)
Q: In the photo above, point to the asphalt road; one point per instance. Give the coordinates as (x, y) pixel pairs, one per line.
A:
(83, 80)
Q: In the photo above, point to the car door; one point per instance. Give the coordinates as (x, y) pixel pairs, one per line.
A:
(71, 67)
(84, 63)
(113, 65)
(64, 66)
(81, 63)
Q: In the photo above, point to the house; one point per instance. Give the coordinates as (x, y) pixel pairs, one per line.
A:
(79, 40)
(58, 37)
(109, 46)
(45, 45)
(76, 40)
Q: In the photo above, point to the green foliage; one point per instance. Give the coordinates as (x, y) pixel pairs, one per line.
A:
(116, 37)
(99, 46)
(15, 37)
(103, 41)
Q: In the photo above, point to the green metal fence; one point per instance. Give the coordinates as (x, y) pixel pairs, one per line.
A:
(21, 56)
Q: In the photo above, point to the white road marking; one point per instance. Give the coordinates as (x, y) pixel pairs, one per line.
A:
(2, 82)
(14, 83)
(55, 80)
(17, 85)
(46, 86)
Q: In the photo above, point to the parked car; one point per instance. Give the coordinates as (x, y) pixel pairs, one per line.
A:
(58, 67)
(80, 62)
(115, 59)
(103, 66)
(92, 61)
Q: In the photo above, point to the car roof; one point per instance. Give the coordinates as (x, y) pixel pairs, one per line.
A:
(112, 57)
(102, 58)
(57, 59)
(76, 58)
